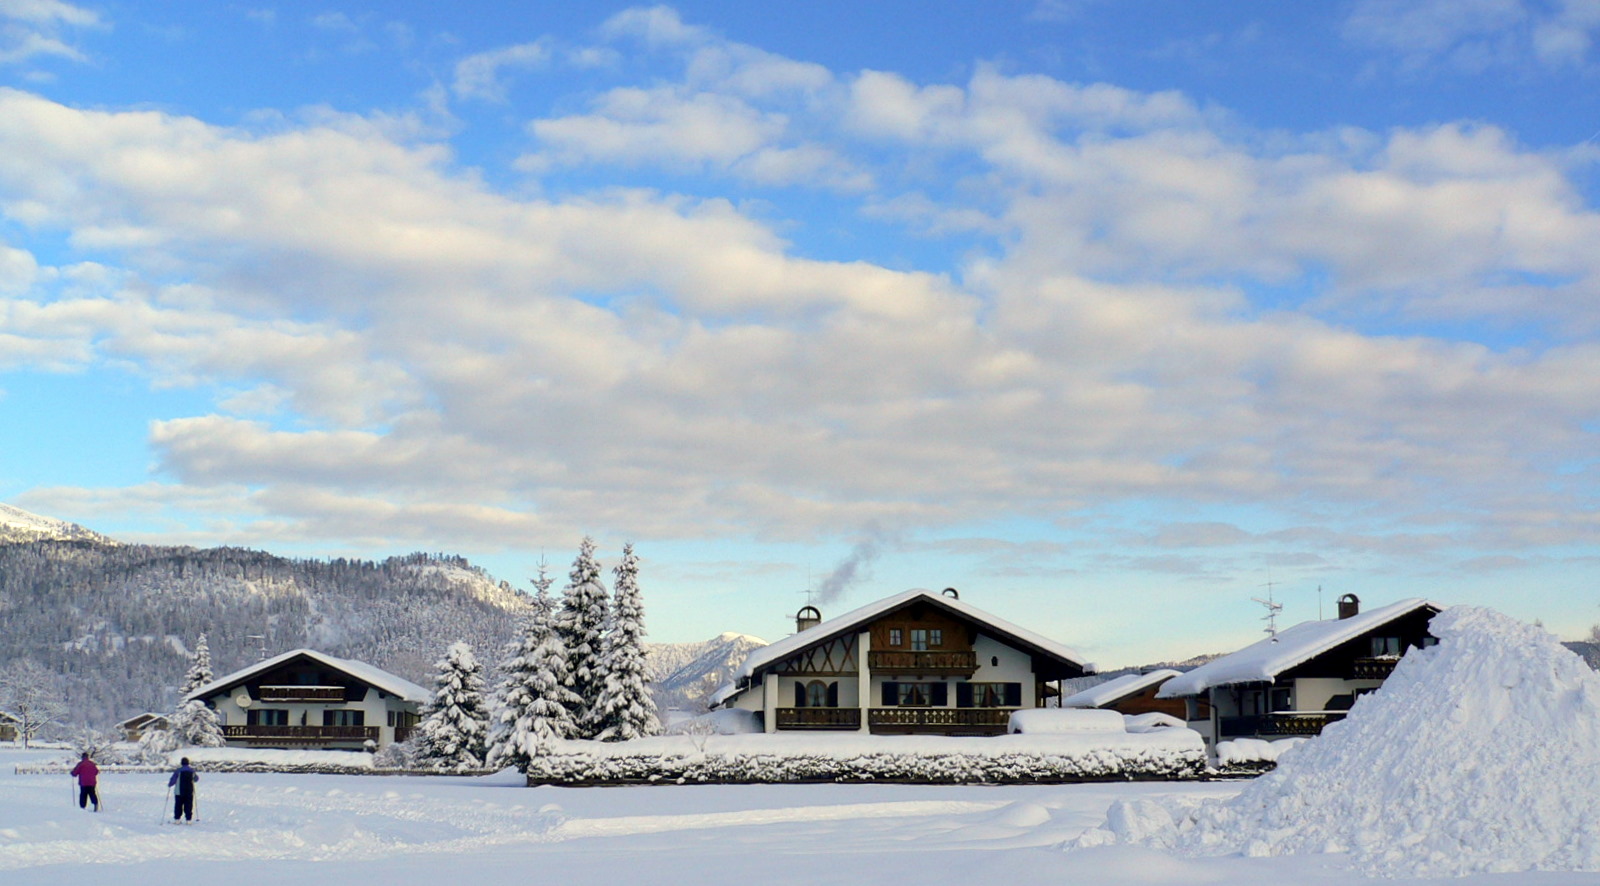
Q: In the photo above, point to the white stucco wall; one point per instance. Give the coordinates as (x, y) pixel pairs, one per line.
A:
(1312, 693)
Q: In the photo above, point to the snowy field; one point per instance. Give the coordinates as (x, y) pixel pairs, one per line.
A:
(276, 829)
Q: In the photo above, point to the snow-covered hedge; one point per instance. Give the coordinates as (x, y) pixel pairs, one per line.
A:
(766, 759)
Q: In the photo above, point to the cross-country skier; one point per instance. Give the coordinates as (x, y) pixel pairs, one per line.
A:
(88, 776)
(183, 801)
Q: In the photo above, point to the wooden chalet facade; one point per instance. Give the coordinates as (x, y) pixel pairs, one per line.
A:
(918, 662)
(1304, 678)
(309, 700)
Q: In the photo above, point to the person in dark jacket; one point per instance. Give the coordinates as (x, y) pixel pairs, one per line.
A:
(183, 799)
(88, 776)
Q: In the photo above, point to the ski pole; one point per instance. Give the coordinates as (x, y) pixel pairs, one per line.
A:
(163, 818)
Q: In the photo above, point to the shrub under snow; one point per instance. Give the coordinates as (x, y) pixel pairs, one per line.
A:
(743, 759)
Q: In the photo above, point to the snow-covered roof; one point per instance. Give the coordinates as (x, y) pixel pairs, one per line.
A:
(1264, 660)
(1102, 694)
(141, 719)
(372, 676)
(833, 627)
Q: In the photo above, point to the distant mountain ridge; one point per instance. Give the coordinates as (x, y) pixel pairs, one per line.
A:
(118, 620)
(19, 525)
(686, 674)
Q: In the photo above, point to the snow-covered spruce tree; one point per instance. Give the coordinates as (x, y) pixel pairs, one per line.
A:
(535, 704)
(194, 723)
(454, 730)
(625, 711)
(199, 669)
(580, 624)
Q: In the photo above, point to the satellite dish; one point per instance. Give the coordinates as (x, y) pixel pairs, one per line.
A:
(242, 699)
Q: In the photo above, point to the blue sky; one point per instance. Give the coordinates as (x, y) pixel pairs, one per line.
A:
(1109, 314)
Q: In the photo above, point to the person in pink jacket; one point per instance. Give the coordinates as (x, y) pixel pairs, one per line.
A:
(88, 776)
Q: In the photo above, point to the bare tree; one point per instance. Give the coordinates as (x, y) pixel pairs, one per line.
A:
(32, 696)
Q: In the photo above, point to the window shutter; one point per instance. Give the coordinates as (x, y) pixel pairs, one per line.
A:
(963, 695)
(891, 695)
(939, 696)
(833, 694)
(1013, 695)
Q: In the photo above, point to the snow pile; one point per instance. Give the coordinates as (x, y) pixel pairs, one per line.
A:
(1481, 754)
(1065, 721)
(1151, 722)
(1254, 751)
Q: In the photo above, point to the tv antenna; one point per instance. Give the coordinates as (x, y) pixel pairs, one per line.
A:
(1273, 608)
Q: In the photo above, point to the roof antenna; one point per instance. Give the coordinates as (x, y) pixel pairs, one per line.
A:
(1271, 618)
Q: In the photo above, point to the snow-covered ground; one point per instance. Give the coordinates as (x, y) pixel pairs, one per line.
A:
(276, 829)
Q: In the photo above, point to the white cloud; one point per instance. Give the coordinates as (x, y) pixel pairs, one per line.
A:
(479, 76)
(464, 361)
(1477, 35)
(32, 29)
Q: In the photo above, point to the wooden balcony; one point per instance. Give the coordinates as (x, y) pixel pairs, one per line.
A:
(1282, 723)
(987, 721)
(303, 693)
(1372, 668)
(943, 664)
(300, 734)
(819, 718)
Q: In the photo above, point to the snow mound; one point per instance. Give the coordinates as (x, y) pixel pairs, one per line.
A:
(1479, 755)
(1247, 751)
(1065, 721)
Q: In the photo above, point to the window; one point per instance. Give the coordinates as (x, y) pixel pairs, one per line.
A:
(895, 638)
(919, 695)
(344, 718)
(267, 717)
(1281, 699)
(935, 638)
(919, 639)
(1429, 642)
(988, 695)
(1385, 646)
(816, 694)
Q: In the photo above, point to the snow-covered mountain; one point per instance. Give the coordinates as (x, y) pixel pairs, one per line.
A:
(19, 525)
(684, 674)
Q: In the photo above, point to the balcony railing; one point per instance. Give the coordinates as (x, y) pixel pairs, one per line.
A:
(1372, 668)
(819, 718)
(894, 661)
(1282, 723)
(288, 734)
(984, 719)
(302, 693)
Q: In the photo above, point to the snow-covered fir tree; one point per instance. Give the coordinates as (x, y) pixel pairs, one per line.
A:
(199, 669)
(194, 723)
(624, 710)
(535, 706)
(454, 730)
(581, 624)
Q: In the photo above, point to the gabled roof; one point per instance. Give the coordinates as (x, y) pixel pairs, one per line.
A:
(372, 676)
(1264, 660)
(850, 621)
(1114, 690)
(140, 719)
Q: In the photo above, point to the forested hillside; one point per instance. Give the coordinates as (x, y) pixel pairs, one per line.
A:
(118, 620)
